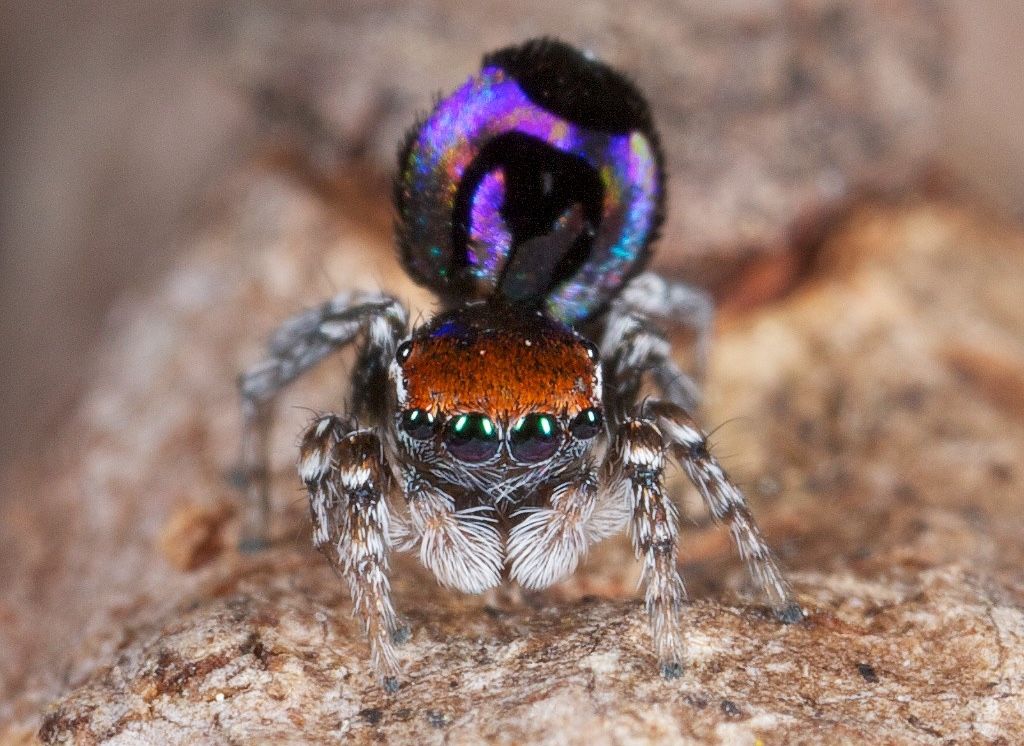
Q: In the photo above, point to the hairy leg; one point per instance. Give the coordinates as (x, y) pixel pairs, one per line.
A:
(348, 480)
(634, 469)
(689, 445)
(301, 343)
(633, 346)
(654, 297)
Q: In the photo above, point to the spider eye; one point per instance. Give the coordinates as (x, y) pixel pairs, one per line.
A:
(586, 424)
(418, 424)
(403, 352)
(535, 438)
(471, 437)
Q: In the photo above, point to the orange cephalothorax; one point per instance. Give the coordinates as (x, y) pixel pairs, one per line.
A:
(504, 362)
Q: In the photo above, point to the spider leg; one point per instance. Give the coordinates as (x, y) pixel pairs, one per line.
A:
(298, 345)
(689, 446)
(633, 346)
(634, 469)
(348, 480)
(651, 296)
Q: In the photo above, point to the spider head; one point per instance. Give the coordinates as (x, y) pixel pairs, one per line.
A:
(498, 392)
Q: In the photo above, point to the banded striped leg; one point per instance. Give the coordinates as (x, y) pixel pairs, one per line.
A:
(301, 343)
(689, 445)
(635, 465)
(652, 297)
(348, 481)
(633, 346)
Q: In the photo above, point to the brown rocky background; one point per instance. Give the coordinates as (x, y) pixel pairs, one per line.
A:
(867, 378)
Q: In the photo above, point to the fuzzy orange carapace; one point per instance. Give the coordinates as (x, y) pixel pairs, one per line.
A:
(502, 373)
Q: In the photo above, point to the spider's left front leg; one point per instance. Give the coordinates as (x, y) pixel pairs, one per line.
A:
(348, 481)
(689, 445)
(635, 347)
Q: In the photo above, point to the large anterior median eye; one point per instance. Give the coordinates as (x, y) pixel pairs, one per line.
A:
(535, 438)
(418, 424)
(471, 437)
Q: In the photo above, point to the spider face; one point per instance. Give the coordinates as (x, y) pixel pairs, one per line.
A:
(496, 395)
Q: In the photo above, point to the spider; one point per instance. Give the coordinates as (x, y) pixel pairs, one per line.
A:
(509, 433)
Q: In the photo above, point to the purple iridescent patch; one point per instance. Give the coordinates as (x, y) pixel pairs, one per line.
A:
(444, 153)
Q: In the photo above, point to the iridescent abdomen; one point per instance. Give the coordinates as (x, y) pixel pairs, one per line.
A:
(539, 180)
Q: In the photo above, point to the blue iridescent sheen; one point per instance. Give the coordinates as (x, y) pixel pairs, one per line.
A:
(492, 104)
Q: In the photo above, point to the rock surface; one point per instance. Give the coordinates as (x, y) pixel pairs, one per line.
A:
(879, 437)
(263, 658)
(874, 415)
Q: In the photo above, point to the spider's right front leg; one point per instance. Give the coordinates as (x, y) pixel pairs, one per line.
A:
(301, 343)
(348, 480)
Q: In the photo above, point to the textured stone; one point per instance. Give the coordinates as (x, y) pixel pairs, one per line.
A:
(264, 657)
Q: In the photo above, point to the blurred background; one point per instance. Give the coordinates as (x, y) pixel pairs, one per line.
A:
(119, 119)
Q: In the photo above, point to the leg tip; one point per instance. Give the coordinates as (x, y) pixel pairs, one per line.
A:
(390, 684)
(671, 670)
(791, 613)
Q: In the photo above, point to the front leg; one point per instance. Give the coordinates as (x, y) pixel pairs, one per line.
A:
(344, 471)
(689, 445)
(634, 469)
(301, 343)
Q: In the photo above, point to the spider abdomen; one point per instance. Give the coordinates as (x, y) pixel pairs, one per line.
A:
(538, 181)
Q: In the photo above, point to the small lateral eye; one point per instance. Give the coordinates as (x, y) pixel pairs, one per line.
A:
(471, 437)
(535, 438)
(403, 352)
(418, 424)
(587, 424)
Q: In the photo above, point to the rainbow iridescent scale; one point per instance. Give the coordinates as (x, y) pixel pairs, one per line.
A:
(467, 235)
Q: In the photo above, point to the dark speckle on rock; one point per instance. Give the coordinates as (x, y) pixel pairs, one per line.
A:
(371, 715)
(401, 635)
(730, 708)
(697, 701)
(437, 719)
(867, 672)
